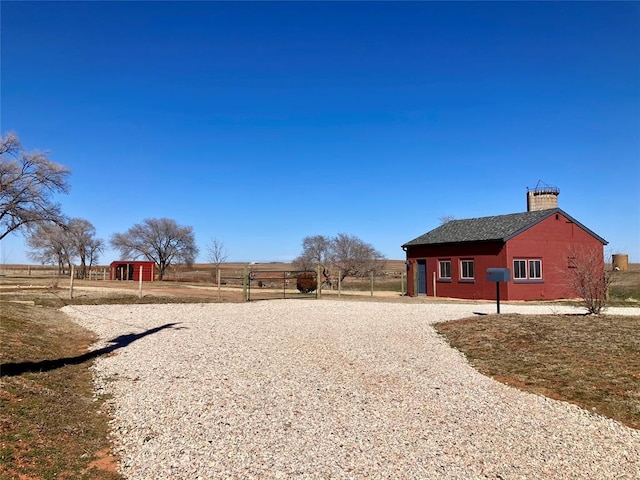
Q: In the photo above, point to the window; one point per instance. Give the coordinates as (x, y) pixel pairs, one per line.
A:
(535, 269)
(444, 269)
(527, 269)
(519, 269)
(466, 270)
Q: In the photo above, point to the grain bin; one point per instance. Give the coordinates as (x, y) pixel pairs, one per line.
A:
(620, 262)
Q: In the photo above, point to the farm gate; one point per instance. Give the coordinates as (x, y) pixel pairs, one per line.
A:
(270, 284)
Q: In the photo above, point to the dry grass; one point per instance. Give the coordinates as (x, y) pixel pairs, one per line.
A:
(51, 426)
(625, 287)
(592, 361)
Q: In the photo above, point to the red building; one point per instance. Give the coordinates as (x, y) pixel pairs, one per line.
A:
(130, 270)
(536, 246)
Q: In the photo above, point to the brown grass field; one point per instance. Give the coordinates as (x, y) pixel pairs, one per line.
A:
(592, 361)
(51, 426)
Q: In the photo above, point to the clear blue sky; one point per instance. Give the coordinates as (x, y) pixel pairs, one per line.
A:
(262, 123)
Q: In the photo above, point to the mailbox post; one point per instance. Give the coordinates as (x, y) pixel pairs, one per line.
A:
(498, 275)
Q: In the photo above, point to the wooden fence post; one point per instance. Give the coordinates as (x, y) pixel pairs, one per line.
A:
(372, 284)
(434, 284)
(71, 282)
(218, 279)
(245, 280)
(140, 287)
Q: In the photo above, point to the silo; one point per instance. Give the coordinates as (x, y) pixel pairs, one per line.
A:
(620, 262)
(542, 197)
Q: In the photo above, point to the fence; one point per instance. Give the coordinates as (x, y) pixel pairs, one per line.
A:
(390, 282)
(268, 284)
(257, 279)
(46, 271)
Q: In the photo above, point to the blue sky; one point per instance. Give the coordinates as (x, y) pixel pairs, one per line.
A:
(262, 123)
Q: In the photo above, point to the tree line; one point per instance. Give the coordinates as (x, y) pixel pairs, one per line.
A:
(29, 180)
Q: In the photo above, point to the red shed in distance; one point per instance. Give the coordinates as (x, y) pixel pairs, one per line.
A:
(130, 270)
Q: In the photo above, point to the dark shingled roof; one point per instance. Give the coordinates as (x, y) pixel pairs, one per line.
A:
(485, 229)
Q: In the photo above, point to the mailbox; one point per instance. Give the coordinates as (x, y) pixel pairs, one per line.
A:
(498, 275)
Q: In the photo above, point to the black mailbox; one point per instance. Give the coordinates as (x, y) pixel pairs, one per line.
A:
(498, 275)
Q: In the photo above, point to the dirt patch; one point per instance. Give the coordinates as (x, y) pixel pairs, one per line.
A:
(104, 461)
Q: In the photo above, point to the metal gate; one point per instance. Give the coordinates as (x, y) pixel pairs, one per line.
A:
(272, 284)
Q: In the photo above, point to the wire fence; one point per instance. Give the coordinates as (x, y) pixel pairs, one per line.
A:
(256, 281)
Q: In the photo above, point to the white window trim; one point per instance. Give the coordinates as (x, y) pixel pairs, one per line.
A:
(472, 262)
(527, 269)
(515, 270)
(440, 263)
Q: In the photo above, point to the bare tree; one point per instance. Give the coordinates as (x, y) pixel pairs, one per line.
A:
(86, 246)
(446, 219)
(50, 245)
(354, 257)
(65, 243)
(348, 253)
(217, 252)
(28, 180)
(159, 240)
(316, 250)
(588, 278)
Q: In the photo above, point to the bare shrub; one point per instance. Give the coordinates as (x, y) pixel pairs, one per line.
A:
(588, 278)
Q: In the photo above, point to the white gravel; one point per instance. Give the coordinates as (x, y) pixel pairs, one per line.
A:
(331, 390)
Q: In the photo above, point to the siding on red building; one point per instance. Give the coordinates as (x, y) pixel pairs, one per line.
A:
(540, 240)
(130, 270)
(553, 241)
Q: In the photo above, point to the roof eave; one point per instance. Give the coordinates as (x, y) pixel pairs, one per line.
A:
(491, 240)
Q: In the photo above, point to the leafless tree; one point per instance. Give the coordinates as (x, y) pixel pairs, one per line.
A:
(354, 257)
(87, 247)
(217, 252)
(316, 250)
(346, 253)
(446, 219)
(588, 278)
(159, 240)
(63, 244)
(28, 181)
(50, 245)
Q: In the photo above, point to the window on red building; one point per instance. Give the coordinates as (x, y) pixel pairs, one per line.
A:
(527, 269)
(467, 270)
(444, 269)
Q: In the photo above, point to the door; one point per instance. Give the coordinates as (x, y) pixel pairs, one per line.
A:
(422, 277)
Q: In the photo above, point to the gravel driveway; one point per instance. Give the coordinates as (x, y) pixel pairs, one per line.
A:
(330, 390)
